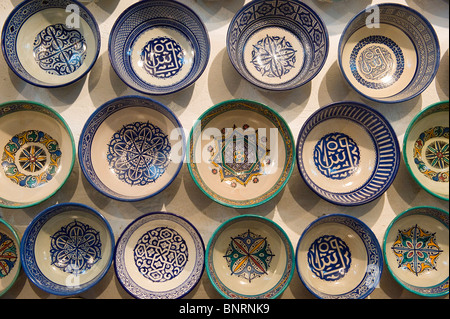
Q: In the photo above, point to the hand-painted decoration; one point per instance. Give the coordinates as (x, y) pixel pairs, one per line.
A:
(8, 255)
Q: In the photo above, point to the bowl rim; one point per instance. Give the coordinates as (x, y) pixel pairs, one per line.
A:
(388, 229)
(405, 141)
(18, 262)
(50, 86)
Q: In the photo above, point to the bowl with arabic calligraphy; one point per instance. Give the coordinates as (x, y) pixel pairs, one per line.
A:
(67, 249)
(50, 43)
(389, 53)
(9, 256)
(37, 153)
(415, 248)
(131, 148)
(277, 46)
(348, 153)
(426, 149)
(339, 257)
(159, 47)
(250, 256)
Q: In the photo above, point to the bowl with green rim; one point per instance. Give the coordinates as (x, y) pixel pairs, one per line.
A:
(9, 256)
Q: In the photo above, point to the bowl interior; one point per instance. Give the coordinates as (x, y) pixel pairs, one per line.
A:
(9, 257)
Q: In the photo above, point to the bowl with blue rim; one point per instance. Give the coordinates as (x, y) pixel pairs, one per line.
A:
(10, 263)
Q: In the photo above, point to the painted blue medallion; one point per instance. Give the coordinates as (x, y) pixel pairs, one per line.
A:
(8, 255)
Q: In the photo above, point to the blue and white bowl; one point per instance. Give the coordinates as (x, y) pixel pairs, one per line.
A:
(67, 249)
(277, 45)
(389, 53)
(9, 256)
(50, 43)
(339, 257)
(131, 148)
(159, 47)
(348, 153)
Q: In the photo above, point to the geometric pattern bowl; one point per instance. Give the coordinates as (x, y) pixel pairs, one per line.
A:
(9, 256)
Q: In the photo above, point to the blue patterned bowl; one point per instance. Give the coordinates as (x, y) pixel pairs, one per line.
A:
(131, 148)
(159, 47)
(348, 153)
(67, 249)
(50, 43)
(9, 256)
(389, 53)
(426, 149)
(416, 250)
(339, 257)
(277, 45)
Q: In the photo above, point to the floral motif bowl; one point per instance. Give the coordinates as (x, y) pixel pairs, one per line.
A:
(426, 149)
(159, 256)
(9, 256)
(416, 250)
(37, 153)
(50, 43)
(277, 45)
(339, 257)
(348, 153)
(67, 249)
(250, 256)
(159, 47)
(241, 153)
(131, 148)
(389, 53)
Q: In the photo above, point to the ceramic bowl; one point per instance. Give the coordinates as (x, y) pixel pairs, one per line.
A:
(277, 45)
(131, 148)
(339, 257)
(389, 53)
(159, 256)
(250, 256)
(241, 153)
(425, 149)
(50, 43)
(9, 256)
(37, 153)
(159, 47)
(416, 250)
(67, 249)
(348, 153)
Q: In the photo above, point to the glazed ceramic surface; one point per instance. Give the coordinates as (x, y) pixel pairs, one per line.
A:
(50, 43)
(159, 256)
(131, 148)
(250, 257)
(241, 153)
(9, 256)
(416, 250)
(277, 45)
(37, 153)
(390, 60)
(426, 149)
(159, 47)
(67, 249)
(348, 153)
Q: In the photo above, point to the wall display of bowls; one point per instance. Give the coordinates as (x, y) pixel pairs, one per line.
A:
(67, 249)
(348, 153)
(159, 47)
(131, 148)
(416, 247)
(391, 60)
(250, 256)
(277, 45)
(9, 256)
(47, 45)
(241, 153)
(37, 153)
(159, 256)
(426, 149)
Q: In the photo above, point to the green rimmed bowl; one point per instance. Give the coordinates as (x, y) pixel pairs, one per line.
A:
(9, 256)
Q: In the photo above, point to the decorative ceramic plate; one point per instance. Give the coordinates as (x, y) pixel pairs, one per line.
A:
(348, 153)
(131, 148)
(426, 149)
(339, 257)
(390, 59)
(159, 256)
(416, 250)
(37, 153)
(159, 47)
(241, 153)
(67, 249)
(50, 43)
(9, 256)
